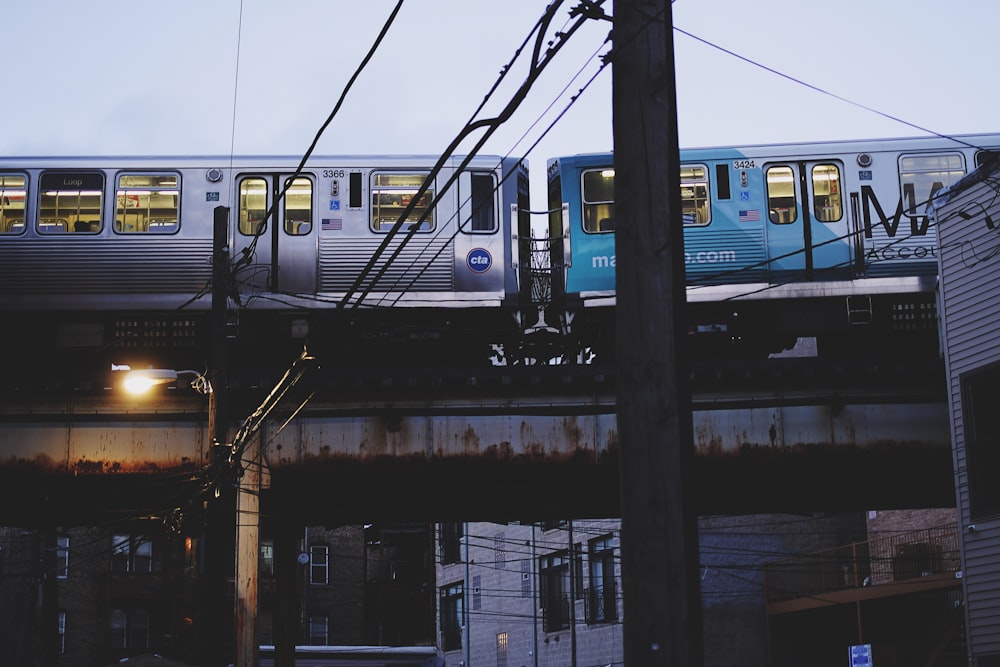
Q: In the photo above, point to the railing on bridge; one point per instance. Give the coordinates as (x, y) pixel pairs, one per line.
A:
(906, 556)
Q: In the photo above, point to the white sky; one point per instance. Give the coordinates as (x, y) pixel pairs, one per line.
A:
(141, 77)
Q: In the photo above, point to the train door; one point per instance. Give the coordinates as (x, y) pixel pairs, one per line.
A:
(279, 238)
(807, 231)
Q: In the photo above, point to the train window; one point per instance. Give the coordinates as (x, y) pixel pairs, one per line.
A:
(781, 204)
(921, 177)
(70, 202)
(982, 157)
(722, 182)
(392, 194)
(598, 200)
(483, 216)
(827, 203)
(12, 191)
(298, 207)
(694, 195)
(147, 203)
(253, 206)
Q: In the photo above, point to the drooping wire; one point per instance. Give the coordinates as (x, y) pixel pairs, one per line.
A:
(247, 253)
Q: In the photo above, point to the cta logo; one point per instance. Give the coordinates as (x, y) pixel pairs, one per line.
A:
(479, 260)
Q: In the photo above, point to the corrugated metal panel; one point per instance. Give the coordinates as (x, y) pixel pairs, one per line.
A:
(106, 266)
(708, 259)
(341, 261)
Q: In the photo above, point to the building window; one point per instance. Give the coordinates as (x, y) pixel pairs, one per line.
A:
(452, 616)
(129, 628)
(62, 632)
(602, 594)
(499, 551)
(266, 559)
(525, 579)
(319, 630)
(501, 649)
(980, 398)
(554, 591)
(130, 553)
(62, 556)
(319, 564)
(477, 592)
(451, 542)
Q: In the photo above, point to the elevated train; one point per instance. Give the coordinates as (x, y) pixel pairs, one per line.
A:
(110, 253)
(829, 243)
(398, 262)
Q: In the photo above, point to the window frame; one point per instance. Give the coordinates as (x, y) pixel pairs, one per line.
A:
(836, 209)
(602, 605)
(705, 181)
(87, 187)
(554, 594)
(319, 566)
(123, 192)
(319, 621)
(62, 556)
(452, 615)
(128, 551)
(450, 535)
(13, 228)
(773, 212)
(914, 169)
(597, 216)
(480, 199)
(982, 451)
(399, 195)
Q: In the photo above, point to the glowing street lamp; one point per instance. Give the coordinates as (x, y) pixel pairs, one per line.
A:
(142, 380)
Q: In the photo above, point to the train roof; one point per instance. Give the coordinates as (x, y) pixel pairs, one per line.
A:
(235, 160)
(932, 142)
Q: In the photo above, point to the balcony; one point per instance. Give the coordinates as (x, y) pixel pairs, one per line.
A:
(905, 563)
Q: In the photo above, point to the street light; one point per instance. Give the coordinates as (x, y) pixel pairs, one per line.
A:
(142, 380)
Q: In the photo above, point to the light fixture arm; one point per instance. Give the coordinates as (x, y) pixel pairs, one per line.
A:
(143, 379)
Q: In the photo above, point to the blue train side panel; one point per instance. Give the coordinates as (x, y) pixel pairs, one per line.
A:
(776, 214)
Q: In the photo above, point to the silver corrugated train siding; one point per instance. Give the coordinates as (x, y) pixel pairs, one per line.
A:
(88, 266)
(424, 265)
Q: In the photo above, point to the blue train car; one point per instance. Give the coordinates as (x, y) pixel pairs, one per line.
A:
(800, 230)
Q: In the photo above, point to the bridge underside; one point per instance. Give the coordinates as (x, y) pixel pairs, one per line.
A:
(524, 448)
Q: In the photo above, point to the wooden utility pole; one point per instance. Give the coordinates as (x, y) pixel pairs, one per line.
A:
(661, 588)
(221, 524)
(247, 555)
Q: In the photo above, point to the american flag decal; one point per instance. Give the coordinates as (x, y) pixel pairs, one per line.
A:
(750, 215)
(333, 224)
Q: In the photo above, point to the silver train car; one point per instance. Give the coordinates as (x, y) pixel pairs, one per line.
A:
(112, 252)
(104, 233)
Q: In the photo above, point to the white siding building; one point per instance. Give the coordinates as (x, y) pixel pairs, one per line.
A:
(515, 595)
(968, 223)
